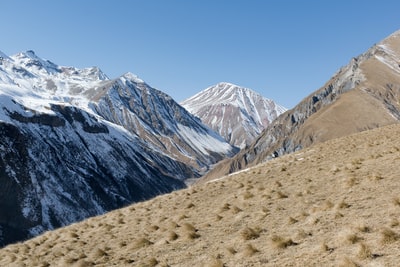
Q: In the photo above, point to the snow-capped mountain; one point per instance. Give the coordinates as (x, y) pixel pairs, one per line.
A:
(238, 114)
(75, 144)
(362, 95)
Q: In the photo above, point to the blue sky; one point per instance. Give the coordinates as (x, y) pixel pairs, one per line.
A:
(283, 49)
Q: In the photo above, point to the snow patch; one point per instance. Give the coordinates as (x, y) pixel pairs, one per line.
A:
(203, 142)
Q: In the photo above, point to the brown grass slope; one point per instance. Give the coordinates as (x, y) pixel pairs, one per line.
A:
(363, 95)
(335, 203)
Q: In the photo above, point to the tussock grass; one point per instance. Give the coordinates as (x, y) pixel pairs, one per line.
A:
(394, 222)
(292, 220)
(375, 177)
(325, 248)
(389, 236)
(352, 238)
(362, 227)
(281, 242)
(190, 205)
(141, 242)
(247, 195)
(214, 263)
(189, 227)
(249, 250)
(236, 210)
(225, 207)
(191, 235)
(346, 262)
(342, 205)
(98, 253)
(364, 252)
(249, 233)
(396, 201)
(281, 195)
(152, 262)
(231, 250)
(328, 205)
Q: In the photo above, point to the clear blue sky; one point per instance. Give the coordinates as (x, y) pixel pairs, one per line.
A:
(282, 49)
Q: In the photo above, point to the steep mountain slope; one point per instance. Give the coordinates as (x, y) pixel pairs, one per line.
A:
(363, 95)
(76, 144)
(333, 204)
(236, 113)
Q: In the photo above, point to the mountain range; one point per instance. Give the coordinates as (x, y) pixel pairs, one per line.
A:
(238, 114)
(75, 144)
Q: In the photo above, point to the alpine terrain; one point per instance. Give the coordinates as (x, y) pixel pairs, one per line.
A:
(238, 114)
(362, 95)
(75, 144)
(335, 203)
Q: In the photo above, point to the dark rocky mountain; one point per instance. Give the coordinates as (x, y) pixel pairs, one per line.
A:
(362, 95)
(76, 144)
(238, 114)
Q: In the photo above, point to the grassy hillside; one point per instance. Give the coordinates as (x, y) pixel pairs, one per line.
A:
(334, 204)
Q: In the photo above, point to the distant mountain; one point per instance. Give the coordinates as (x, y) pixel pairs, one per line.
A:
(238, 114)
(75, 144)
(363, 95)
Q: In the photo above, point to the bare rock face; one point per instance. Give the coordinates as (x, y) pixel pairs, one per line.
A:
(76, 144)
(363, 95)
(238, 114)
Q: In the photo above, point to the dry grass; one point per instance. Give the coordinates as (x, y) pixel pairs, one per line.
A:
(249, 233)
(281, 242)
(389, 236)
(346, 262)
(305, 215)
(141, 242)
(364, 252)
(249, 250)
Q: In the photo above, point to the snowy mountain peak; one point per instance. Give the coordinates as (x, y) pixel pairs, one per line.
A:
(94, 72)
(35, 64)
(30, 54)
(132, 77)
(238, 114)
(226, 87)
